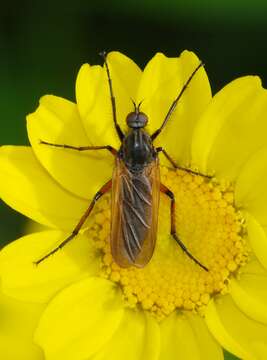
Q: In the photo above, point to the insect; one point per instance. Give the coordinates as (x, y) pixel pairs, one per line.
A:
(135, 187)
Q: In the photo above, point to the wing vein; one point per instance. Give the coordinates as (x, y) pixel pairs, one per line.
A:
(128, 247)
(136, 241)
(141, 195)
(138, 216)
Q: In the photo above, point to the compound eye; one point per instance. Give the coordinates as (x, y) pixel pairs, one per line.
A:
(142, 119)
(131, 119)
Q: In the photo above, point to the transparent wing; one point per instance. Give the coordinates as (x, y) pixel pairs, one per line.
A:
(135, 200)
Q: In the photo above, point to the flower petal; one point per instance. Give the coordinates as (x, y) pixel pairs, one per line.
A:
(125, 72)
(136, 338)
(161, 83)
(250, 295)
(176, 330)
(236, 332)
(232, 128)
(57, 121)
(257, 238)
(27, 188)
(251, 189)
(94, 102)
(185, 336)
(24, 280)
(209, 348)
(18, 321)
(253, 267)
(80, 320)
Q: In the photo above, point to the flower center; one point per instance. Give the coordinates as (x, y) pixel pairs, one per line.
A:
(210, 227)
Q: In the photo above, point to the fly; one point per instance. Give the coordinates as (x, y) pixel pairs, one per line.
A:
(135, 187)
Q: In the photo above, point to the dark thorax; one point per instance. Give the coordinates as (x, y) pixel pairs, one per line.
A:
(137, 150)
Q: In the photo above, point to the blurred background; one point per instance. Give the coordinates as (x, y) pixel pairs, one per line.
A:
(43, 45)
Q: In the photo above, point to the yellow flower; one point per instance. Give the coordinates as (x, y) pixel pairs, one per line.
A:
(172, 308)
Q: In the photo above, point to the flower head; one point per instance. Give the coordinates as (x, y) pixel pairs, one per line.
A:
(172, 308)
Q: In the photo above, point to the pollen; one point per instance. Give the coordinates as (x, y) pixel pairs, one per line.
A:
(207, 223)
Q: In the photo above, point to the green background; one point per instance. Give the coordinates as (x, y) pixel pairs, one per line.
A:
(43, 45)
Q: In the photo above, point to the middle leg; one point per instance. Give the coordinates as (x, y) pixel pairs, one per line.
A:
(164, 152)
(170, 194)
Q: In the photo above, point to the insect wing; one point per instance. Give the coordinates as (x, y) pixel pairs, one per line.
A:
(135, 201)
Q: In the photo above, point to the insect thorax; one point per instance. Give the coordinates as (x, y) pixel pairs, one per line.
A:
(137, 149)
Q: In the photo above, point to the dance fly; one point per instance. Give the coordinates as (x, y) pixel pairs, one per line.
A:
(135, 187)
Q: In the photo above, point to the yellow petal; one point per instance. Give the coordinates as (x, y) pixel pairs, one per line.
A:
(24, 280)
(93, 97)
(125, 77)
(235, 331)
(178, 341)
(85, 95)
(18, 321)
(57, 121)
(251, 189)
(27, 188)
(257, 239)
(253, 267)
(93, 101)
(161, 83)
(249, 292)
(250, 295)
(80, 320)
(136, 338)
(151, 348)
(185, 336)
(231, 129)
(209, 348)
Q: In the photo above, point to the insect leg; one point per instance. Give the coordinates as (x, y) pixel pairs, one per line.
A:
(176, 166)
(170, 194)
(103, 54)
(175, 102)
(77, 228)
(81, 148)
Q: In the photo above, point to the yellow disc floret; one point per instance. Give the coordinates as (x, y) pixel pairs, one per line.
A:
(210, 227)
